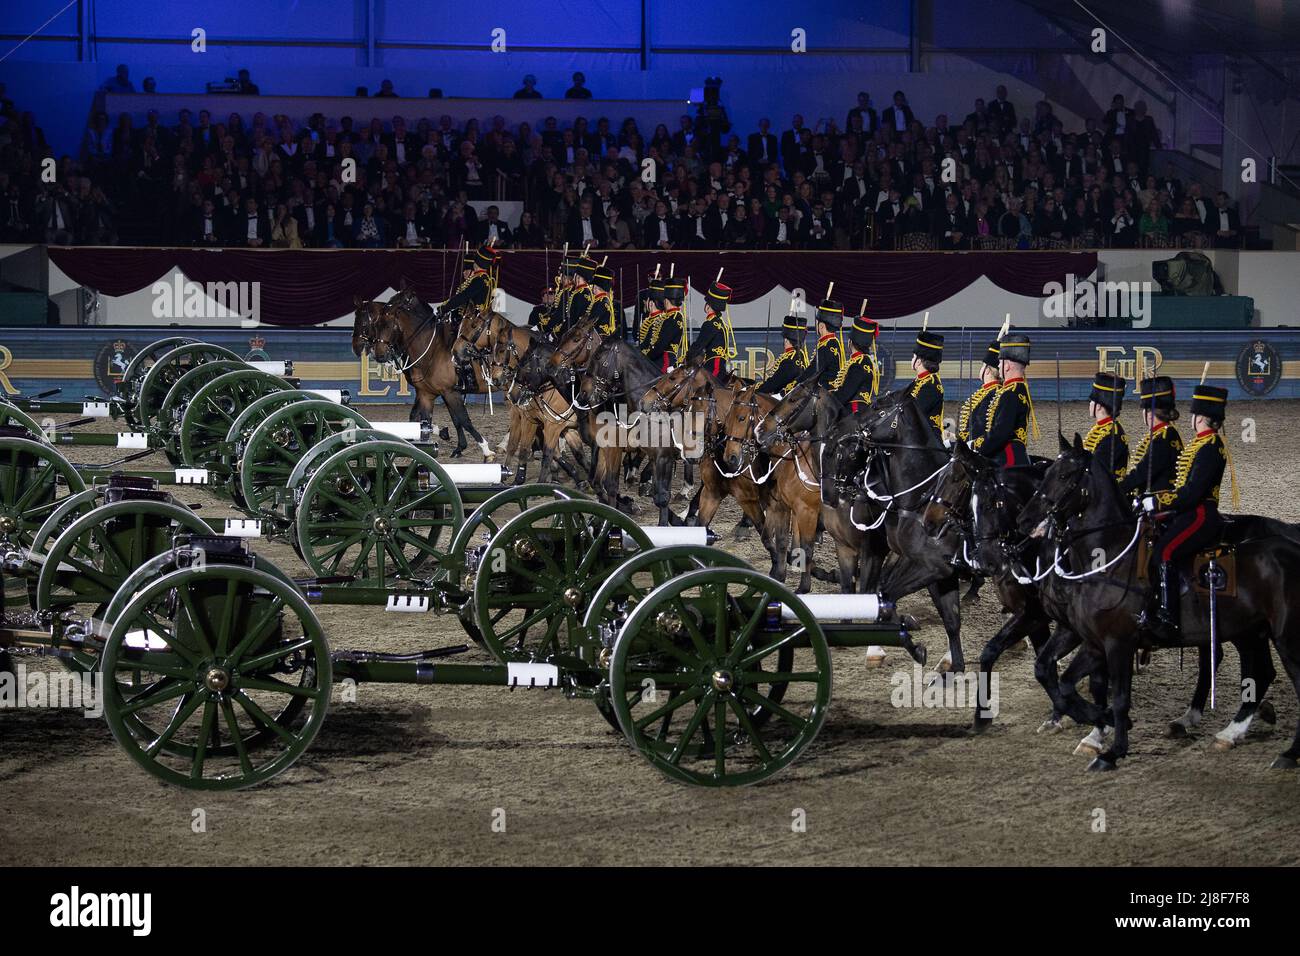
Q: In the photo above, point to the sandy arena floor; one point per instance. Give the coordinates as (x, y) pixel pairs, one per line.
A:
(417, 775)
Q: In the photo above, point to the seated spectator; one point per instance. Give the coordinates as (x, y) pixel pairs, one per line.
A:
(284, 229)
(529, 235)
(1224, 223)
(620, 234)
(578, 91)
(1153, 228)
(386, 89)
(368, 230)
(529, 90)
(119, 82)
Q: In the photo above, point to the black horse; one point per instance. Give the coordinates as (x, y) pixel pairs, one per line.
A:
(1092, 535)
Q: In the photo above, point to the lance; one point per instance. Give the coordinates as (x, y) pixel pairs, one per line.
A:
(767, 335)
(1059, 427)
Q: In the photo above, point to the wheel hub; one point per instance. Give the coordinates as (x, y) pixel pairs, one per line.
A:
(723, 681)
(381, 525)
(573, 596)
(216, 679)
(8, 524)
(524, 549)
(669, 622)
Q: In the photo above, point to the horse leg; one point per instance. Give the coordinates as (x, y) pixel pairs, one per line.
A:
(778, 544)
(1065, 698)
(807, 519)
(1289, 759)
(1257, 673)
(946, 595)
(1022, 623)
(1119, 662)
(663, 482)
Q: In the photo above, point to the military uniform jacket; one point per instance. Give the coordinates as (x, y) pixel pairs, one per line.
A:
(859, 379)
(828, 362)
(601, 312)
(1157, 462)
(1198, 474)
(789, 365)
(1006, 429)
(645, 334)
(579, 303)
(667, 333)
(711, 342)
(1108, 443)
(471, 295)
(927, 391)
(972, 420)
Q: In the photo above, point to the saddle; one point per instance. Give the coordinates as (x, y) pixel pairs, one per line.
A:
(1196, 568)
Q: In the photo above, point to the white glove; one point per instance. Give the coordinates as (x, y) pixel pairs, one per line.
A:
(1149, 504)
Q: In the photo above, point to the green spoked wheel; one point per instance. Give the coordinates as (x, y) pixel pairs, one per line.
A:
(213, 409)
(146, 402)
(275, 446)
(256, 411)
(31, 476)
(11, 416)
(378, 511)
(167, 422)
(140, 363)
(86, 565)
(215, 644)
(486, 519)
(536, 576)
(687, 669)
(68, 510)
(628, 585)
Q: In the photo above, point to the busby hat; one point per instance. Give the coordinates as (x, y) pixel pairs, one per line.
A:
(486, 256)
(1014, 347)
(929, 345)
(1108, 391)
(569, 263)
(1210, 401)
(794, 325)
(603, 278)
(993, 357)
(1158, 393)
(585, 266)
(864, 332)
(718, 296)
(674, 290)
(831, 312)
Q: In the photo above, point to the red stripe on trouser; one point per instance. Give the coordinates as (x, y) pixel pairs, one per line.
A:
(1167, 554)
(717, 366)
(1011, 455)
(854, 406)
(667, 361)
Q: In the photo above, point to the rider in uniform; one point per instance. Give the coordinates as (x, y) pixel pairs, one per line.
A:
(1157, 453)
(557, 318)
(972, 420)
(861, 378)
(1011, 410)
(540, 317)
(475, 291)
(926, 389)
(580, 298)
(602, 310)
(792, 361)
(827, 365)
(1193, 501)
(1106, 438)
(651, 301)
(716, 342)
(669, 330)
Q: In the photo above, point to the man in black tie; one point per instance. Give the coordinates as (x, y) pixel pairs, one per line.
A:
(790, 141)
(1002, 112)
(897, 118)
(586, 229)
(762, 145)
(1225, 224)
(951, 229)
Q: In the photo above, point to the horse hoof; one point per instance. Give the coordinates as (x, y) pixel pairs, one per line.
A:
(1266, 712)
(875, 656)
(742, 533)
(1085, 749)
(1100, 764)
(1178, 731)
(945, 663)
(1284, 763)
(1223, 744)
(1050, 726)
(458, 452)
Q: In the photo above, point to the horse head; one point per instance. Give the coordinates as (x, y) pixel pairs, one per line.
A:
(735, 447)
(573, 353)
(364, 318)
(793, 415)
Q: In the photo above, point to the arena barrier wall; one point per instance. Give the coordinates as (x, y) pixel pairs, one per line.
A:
(1250, 363)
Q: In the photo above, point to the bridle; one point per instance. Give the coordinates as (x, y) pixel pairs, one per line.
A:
(394, 339)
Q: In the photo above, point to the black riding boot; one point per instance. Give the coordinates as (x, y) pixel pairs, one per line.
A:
(466, 383)
(1163, 624)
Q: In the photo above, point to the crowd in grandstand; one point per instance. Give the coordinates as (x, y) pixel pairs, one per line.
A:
(1018, 179)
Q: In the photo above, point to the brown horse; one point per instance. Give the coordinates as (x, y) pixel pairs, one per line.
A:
(539, 409)
(419, 344)
(794, 503)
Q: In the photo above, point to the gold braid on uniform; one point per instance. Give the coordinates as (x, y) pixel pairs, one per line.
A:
(1232, 476)
(838, 343)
